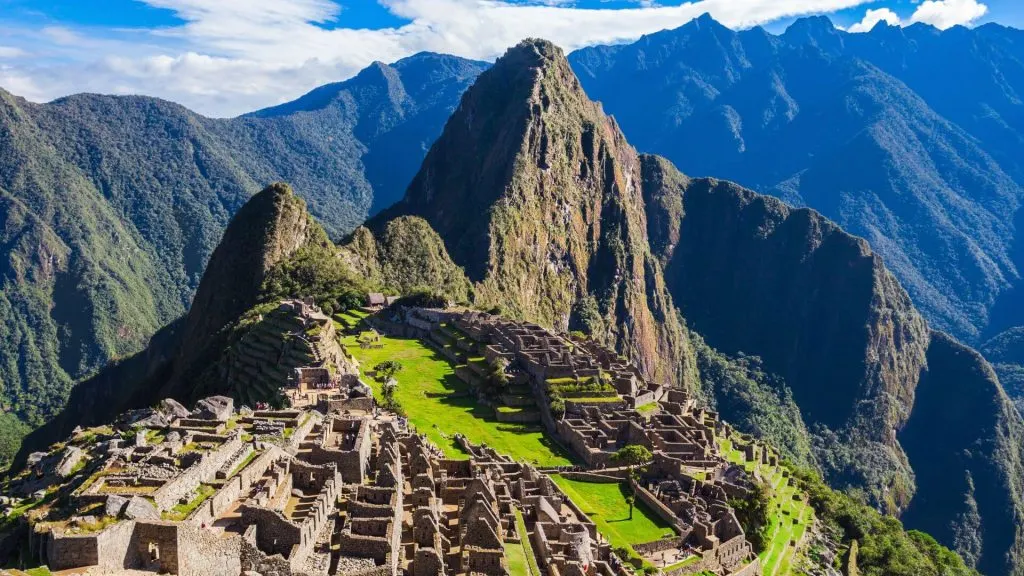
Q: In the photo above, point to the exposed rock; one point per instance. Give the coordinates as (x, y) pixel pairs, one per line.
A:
(35, 458)
(548, 221)
(154, 420)
(115, 505)
(214, 408)
(69, 459)
(138, 508)
(172, 408)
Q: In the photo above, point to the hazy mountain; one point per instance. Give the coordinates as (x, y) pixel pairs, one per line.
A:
(111, 206)
(865, 128)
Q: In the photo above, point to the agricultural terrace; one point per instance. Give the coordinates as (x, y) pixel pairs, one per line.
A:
(790, 514)
(440, 405)
(605, 504)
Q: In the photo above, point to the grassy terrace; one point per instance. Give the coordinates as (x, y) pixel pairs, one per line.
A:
(606, 505)
(790, 517)
(181, 511)
(521, 559)
(439, 404)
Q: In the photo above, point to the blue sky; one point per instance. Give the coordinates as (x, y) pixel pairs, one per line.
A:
(226, 57)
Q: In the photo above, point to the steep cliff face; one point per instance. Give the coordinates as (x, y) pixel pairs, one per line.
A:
(753, 275)
(537, 195)
(964, 442)
(910, 416)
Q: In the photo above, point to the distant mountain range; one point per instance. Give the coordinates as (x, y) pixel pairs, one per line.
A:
(910, 137)
(111, 206)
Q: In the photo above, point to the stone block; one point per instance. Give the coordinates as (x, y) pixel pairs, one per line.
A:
(172, 408)
(69, 459)
(115, 505)
(139, 508)
(214, 408)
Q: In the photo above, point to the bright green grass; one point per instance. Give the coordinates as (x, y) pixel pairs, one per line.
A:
(524, 537)
(647, 408)
(426, 386)
(606, 505)
(516, 558)
(789, 516)
(181, 511)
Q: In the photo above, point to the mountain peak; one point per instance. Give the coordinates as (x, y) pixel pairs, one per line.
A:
(818, 31)
(536, 194)
(267, 229)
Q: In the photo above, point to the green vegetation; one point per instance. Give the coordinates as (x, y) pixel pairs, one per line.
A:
(316, 271)
(752, 400)
(384, 371)
(524, 538)
(440, 405)
(181, 511)
(884, 547)
(245, 462)
(607, 505)
(778, 516)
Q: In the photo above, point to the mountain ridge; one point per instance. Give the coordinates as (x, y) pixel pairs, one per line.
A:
(783, 113)
(164, 182)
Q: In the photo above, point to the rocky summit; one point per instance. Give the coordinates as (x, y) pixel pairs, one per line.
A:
(553, 354)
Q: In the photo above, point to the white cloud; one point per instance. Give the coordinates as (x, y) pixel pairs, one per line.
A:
(232, 56)
(945, 14)
(874, 16)
(11, 52)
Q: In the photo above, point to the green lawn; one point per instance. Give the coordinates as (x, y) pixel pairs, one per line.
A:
(606, 505)
(438, 404)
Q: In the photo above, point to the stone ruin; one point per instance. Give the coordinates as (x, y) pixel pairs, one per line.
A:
(332, 486)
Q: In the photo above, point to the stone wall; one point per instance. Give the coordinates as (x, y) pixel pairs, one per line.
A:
(658, 507)
(72, 551)
(302, 431)
(156, 544)
(202, 552)
(275, 534)
(658, 545)
(204, 470)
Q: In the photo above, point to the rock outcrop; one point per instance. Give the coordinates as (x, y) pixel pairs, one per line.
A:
(538, 196)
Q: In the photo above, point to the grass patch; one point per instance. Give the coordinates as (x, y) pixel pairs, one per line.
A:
(439, 405)
(181, 511)
(606, 505)
(241, 465)
(524, 538)
(647, 408)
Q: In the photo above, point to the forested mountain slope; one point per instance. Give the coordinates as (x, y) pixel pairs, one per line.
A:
(112, 206)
